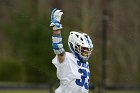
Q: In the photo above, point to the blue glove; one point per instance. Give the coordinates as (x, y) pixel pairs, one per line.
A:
(56, 18)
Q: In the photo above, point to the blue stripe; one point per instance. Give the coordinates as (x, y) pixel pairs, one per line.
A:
(52, 15)
(55, 45)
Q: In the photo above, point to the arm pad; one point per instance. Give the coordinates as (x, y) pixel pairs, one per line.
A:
(57, 44)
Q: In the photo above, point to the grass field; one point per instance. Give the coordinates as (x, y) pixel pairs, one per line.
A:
(119, 91)
(45, 91)
(24, 91)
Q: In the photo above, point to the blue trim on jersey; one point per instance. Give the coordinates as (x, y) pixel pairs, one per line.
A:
(85, 65)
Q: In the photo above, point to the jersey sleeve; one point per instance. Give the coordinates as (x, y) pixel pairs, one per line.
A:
(56, 62)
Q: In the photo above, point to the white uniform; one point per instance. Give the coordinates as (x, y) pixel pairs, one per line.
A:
(73, 75)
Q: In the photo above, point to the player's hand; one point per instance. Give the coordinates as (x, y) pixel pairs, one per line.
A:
(56, 19)
(56, 15)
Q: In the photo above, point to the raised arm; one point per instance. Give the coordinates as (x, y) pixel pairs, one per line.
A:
(57, 38)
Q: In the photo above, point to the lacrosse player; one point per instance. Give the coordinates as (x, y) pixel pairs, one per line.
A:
(72, 68)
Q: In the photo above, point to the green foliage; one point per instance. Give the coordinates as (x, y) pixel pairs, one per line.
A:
(12, 70)
(31, 44)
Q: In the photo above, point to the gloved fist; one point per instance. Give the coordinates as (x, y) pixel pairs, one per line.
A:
(56, 18)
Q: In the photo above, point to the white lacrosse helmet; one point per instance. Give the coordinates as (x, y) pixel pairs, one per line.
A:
(81, 45)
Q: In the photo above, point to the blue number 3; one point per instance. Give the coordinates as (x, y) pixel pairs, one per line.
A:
(81, 82)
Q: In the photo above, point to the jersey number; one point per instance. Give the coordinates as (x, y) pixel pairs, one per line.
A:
(81, 82)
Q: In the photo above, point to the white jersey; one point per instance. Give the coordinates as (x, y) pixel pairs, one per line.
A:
(73, 75)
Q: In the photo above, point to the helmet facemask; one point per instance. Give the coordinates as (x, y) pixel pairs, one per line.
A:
(84, 52)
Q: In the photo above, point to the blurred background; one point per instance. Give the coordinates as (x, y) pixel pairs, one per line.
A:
(26, 51)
